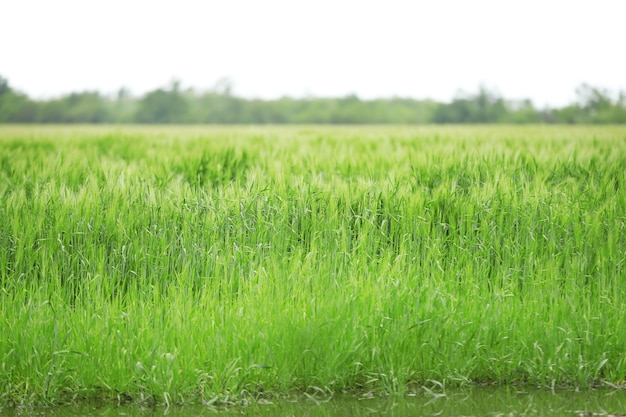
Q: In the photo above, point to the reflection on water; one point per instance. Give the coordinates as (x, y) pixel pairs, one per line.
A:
(508, 401)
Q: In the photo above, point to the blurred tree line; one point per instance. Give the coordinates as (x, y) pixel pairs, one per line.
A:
(173, 104)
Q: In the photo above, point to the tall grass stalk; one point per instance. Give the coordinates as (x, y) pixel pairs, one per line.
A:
(192, 264)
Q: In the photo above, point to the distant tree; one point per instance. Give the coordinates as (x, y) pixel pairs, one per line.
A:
(220, 105)
(163, 106)
(483, 107)
(349, 109)
(593, 98)
(123, 107)
(85, 107)
(223, 87)
(522, 111)
(15, 107)
(4, 86)
(593, 105)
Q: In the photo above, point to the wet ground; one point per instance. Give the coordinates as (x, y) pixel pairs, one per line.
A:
(496, 402)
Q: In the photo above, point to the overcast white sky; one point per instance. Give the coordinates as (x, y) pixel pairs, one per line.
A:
(537, 49)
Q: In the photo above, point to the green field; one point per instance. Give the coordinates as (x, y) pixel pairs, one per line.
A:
(176, 265)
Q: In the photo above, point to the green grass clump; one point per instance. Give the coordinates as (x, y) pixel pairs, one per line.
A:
(189, 264)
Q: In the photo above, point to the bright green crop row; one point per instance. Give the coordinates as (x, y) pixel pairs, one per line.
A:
(188, 264)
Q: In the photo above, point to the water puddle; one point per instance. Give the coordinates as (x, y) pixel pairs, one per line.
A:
(494, 402)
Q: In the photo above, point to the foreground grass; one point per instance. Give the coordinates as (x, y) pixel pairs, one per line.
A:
(188, 264)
